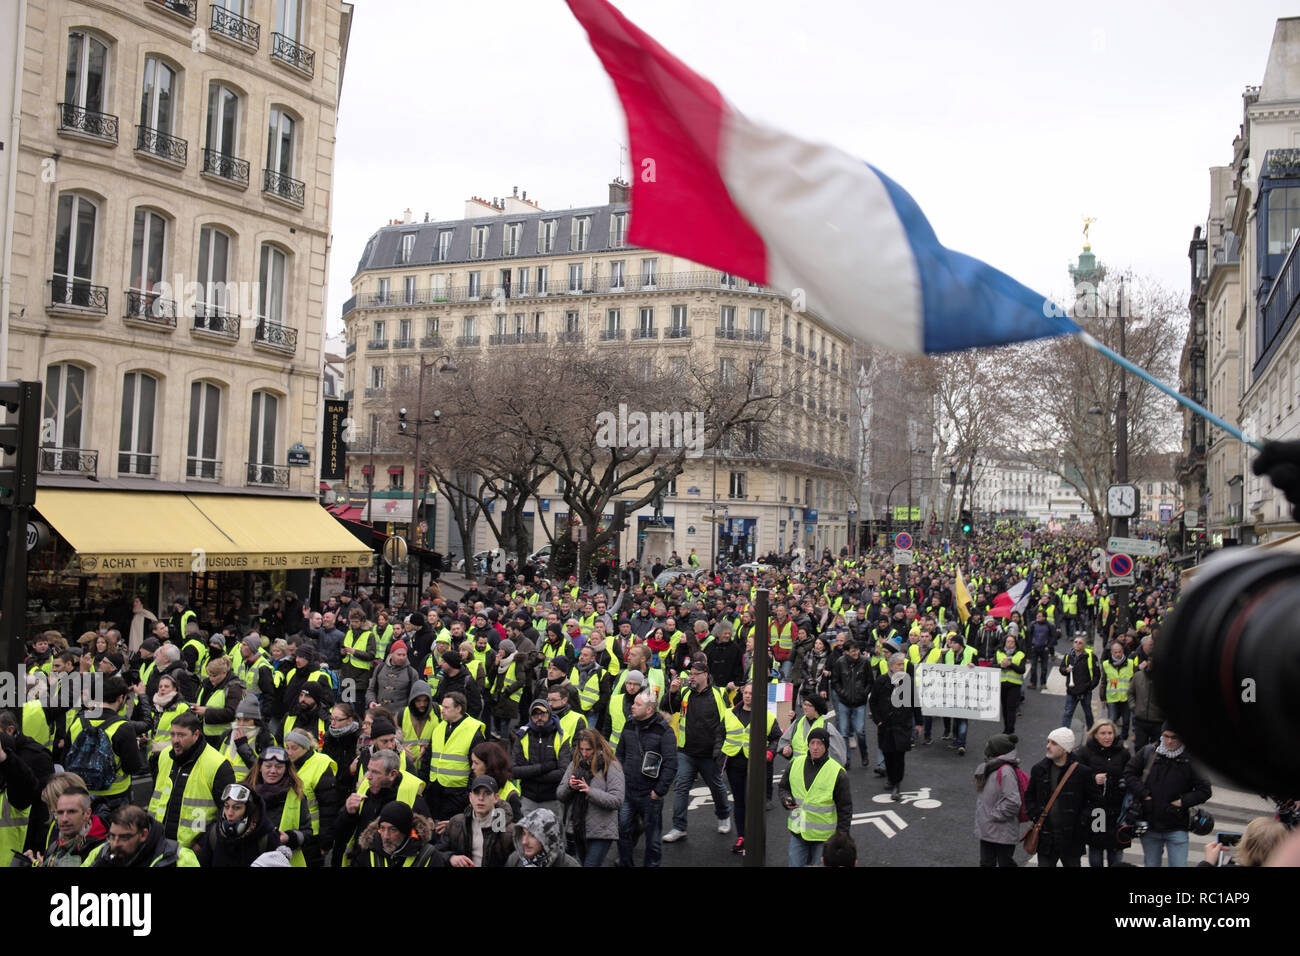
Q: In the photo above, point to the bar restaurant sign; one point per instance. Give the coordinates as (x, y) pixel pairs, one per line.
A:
(198, 562)
(335, 450)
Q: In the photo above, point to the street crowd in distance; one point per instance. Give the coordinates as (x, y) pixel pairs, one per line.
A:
(535, 723)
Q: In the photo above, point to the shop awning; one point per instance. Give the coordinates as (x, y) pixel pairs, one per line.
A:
(129, 532)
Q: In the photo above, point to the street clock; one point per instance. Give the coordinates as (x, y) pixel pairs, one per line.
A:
(1122, 501)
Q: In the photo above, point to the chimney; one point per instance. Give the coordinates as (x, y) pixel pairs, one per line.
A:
(516, 190)
(525, 196)
(406, 214)
(618, 191)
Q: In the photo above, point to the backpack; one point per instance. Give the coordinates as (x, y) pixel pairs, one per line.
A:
(91, 756)
(1022, 781)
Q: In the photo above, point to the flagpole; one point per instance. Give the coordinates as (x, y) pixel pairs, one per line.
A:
(1205, 413)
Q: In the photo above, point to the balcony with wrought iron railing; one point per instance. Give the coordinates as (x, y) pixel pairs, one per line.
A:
(212, 321)
(284, 188)
(644, 334)
(375, 391)
(571, 337)
(202, 469)
(132, 464)
(262, 475)
(468, 342)
(150, 309)
(1281, 305)
(229, 170)
(76, 298)
(677, 332)
(431, 341)
(231, 26)
(187, 10)
(404, 344)
(69, 461)
(155, 144)
(612, 335)
(517, 338)
(293, 54)
(377, 345)
(272, 335)
(752, 336)
(79, 121)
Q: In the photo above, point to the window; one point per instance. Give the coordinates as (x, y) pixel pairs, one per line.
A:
(74, 250)
(646, 320)
(156, 96)
(543, 277)
(408, 289)
(478, 242)
(408, 246)
(575, 277)
(679, 318)
(444, 245)
(148, 247)
(279, 146)
(65, 402)
(1283, 220)
(726, 280)
(726, 371)
(618, 230)
(261, 439)
(379, 333)
(727, 319)
(84, 85)
(510, 240)
(521, 280)
(384, 291)
(469, 328)
(214, 265)
(288, 16)
(223, 120)
(571, 322)
(501, 325)
(649, 273)
(438, 287)
(271, 277)
(757, 320)
(617, 273)
(581, 232)
(521, 323)
(404, 331)
(613, 318)
(431, 326)
(670, 489)
(475, 284)
(205, 417)
(539, 322)
(135, 446)
(546, 236)
(503, 282)
(376, 377)
(737, 485)
(396, 475)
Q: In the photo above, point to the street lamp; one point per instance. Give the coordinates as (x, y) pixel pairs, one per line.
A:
(417, 502)
(1119, 526)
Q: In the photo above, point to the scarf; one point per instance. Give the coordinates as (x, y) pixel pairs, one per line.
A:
(344, 730)
(162, 701)
(504, 665)
(270, 791)
(542, 859)
(1163, 751)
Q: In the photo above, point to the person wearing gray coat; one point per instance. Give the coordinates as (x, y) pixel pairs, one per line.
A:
(390, 683)
(997, 811)
(592, 791)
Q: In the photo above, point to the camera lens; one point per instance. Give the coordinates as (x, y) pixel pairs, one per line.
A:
(1227, 668)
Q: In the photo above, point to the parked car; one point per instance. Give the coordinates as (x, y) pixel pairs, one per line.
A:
(665, 577)
(489, 562)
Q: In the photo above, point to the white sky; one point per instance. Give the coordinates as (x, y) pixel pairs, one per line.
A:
(1007, 121)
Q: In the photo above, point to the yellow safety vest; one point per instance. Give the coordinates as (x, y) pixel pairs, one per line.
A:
(217, 699)
(409, 786)
(1070, 604)
(589, 693)
(412, 739)
(730, 733)
(231, 752)
(355, 642)
(312, 769)
(184, 857)
(737, 739)
(1010, 676)
(799, 739)
(449, 758)
(1117, 679)
(570, 724)
(198, 809)
(13, 827)
(35, 725)
(382, 643)
(291, 819)
(967, 655)
(784, 635)
(814, 818)
(202, 664)
(162, 733)
(617, 716)
(317, 732)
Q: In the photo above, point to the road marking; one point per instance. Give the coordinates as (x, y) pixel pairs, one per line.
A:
(874, 817)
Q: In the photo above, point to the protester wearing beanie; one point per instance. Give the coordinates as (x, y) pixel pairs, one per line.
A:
(1062, 836)
(813, 784)
(997, 809)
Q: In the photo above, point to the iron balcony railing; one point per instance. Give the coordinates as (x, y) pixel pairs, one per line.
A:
(293, 53)
(267, 476)
(216, 321)
(742, 335)
(69, 461)
(611, 335)
(74, 295)
(137, 465)
(203, 469)
(229, 168)
(678, 332)
(161, 145)
(467, 342)
(76, 119)
(573, 337)
(375, 391)
(150, 308)
(404, 344)
(378, 345)
(276, 336)
(431, 341)
(517, 338)
(284, 187)
(645, 333)
(237, 28)
(187, 9)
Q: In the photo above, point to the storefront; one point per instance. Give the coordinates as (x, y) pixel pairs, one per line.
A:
(110, 546)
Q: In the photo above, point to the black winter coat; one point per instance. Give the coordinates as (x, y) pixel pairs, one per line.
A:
(639, 738)
(852, 680)
(893, 724)
(214, 849)
(1170, 779)
(538, 773)
(457, 839)
(1072, 804)
(1107, 797)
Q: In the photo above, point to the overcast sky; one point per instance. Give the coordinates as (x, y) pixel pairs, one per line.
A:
(1007, 121)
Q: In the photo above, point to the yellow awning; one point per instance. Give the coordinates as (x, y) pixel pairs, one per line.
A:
(129, 532)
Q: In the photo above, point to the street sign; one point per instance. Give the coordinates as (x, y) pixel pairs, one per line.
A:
(395, 551)
(1147, 549)
(903, 557)
(1191, 517)
(38, 535)
(1120, 567)
(903, 541)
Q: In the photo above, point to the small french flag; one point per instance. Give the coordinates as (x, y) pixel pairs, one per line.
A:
(839, 237)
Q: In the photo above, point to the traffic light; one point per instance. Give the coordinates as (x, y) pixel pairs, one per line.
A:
(401, 420)
(966, 522)
(20, 440)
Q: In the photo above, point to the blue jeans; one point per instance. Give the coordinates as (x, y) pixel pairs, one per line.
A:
(960, 726)
(853, 723)
(639, 813)
(687, 768)
(597, 850)
(1118, 712)
(786, 666)
(1040, 663)
(1096, 856)
(1153, 843)
(803, 853)
(1071, 702)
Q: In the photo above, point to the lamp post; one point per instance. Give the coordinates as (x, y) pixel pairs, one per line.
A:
(1119, 526)
(417, 501)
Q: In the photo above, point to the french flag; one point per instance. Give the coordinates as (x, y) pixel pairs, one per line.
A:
(804, 219)
(1015, 599)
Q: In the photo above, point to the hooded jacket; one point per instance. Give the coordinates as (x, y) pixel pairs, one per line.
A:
(538, 772)
(218, 849)
(997, 809)
(541, 824)
(418, 848)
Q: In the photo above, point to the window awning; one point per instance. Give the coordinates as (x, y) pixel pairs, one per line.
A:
(127, 532)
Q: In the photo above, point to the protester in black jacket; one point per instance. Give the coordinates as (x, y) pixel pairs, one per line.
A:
(1105, 758)
(539, 757)
(1165, 781)
(647, 750)
(240, 834)
(25, 766)
(892, 701)
(851, 680)
(455, 677)
(1062, 835)
(726, 667)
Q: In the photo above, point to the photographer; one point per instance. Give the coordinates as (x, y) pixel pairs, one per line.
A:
(1166, 784)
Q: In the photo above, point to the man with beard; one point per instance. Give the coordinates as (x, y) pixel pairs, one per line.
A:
(136, 840)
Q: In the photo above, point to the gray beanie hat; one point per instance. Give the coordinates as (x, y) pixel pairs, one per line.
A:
(301, 738)
(249, 707)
